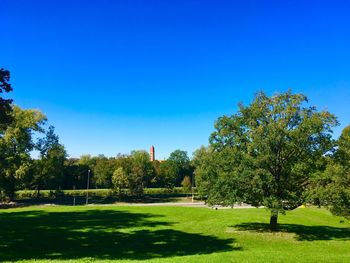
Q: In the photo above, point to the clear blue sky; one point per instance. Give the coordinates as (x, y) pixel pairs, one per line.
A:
(113, 76)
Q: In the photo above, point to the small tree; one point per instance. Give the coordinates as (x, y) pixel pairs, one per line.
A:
(169, 171)
(119, 180)
(103, 172)
(186, 184)
(264, 155)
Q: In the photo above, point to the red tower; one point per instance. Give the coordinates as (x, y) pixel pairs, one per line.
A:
(152, 154)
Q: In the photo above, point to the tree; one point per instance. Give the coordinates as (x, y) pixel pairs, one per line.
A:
(50, 167)
(343, 153)
(156, 180)
(141, 172)
(88, 163)
(331, 186)
(169, 172)
(75, 174)
(103, 172)
(16, 145)
(186, 184)
(119, 180)
(5, 104)
(264, 154)
(181, 159)
(204, 167)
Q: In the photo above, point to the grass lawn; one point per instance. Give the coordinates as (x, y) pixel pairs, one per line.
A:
(170, 234)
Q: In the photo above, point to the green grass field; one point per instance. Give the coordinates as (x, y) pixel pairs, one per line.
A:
(170, 234)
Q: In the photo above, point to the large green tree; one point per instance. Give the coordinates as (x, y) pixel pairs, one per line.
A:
(265, 153)
(16, 145)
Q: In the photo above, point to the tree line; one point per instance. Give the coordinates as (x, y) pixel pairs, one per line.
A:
(53, 170)
(133, 172)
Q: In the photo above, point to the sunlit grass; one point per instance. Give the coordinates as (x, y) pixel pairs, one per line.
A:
(170, 234)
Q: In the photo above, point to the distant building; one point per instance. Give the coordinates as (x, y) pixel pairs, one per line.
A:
(152, 154)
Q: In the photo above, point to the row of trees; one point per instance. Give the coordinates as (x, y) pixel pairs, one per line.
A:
(134, 171)
(19, 129)
(277, 153)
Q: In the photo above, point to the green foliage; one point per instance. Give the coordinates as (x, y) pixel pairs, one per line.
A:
(5, 104)
(141, 172)
(168, 170)
(75, 174)
(182, 161)
(186, 184)
(205, 167)
(49, 170)
(265, 153)
(336, 193)
(16, 145)
(343, 152)
(331, 186)
(102, 193)
(163, 191)
(119, 179)
(103, 171)
(87, 160)
(180, 157)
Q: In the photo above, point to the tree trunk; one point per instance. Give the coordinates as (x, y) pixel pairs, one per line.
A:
(38, 191)
(273, 221)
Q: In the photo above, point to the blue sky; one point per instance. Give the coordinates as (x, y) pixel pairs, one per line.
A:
(113, 76)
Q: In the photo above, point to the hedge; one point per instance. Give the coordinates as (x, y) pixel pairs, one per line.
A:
(29, 194)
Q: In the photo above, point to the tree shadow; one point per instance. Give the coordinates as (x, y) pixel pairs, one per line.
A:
(99, 234)
(302, 232)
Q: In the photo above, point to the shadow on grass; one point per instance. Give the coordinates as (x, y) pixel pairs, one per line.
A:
(302, 232)
(99, 234)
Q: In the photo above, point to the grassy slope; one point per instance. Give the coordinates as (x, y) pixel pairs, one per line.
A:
(170, 234)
